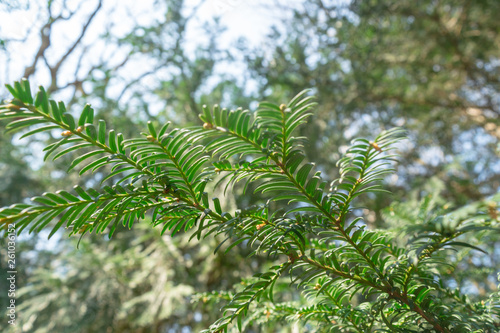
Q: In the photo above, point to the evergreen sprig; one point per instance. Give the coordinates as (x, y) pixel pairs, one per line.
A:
(355, 279)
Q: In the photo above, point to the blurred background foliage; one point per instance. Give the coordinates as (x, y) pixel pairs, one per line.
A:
(432, 67)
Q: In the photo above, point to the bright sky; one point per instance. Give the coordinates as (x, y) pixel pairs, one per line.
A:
(243, 18)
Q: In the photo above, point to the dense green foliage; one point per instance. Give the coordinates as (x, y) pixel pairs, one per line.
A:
(430, 66)
(353, 278)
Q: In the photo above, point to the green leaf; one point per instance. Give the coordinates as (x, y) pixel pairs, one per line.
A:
(91, 131)
(119, 142)
(83, 158)
(102, 131)
(27, 91)
(21, 93)
(71, 148)
(39, 130)
(54, 108)
(44, 100)
(301, 176)
(19, 124)
(81, 192)
(206, 116)
(84, 115)
(466, 245)
(94, 165)
(13, 91)
(68, 119)
(152, 130)
(163, 129)
(112, 141)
